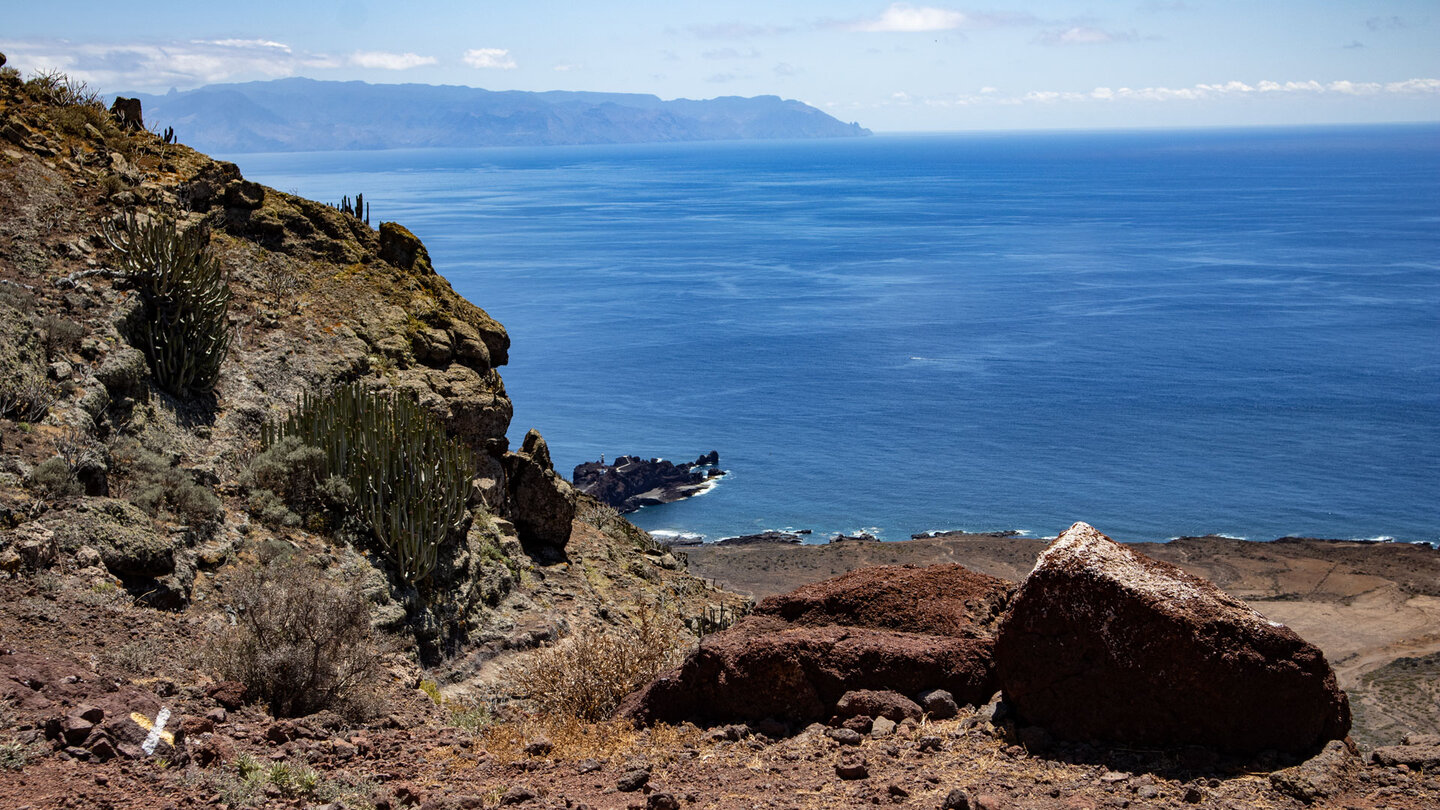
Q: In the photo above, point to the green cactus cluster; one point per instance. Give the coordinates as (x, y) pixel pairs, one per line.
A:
(409, 480)
(183, 328)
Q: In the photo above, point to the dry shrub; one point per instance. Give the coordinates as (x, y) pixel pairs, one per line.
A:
(586, 675)
(575, 739)
(301, 642)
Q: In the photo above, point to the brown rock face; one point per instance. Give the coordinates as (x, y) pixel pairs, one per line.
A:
(941, 600)
(544, 503)
(763, 668)
(769, 667)
(1101, 642)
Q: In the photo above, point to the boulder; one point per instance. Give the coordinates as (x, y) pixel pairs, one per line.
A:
(543, 503)
(877, 703)
(127, 113)
(942, 600)
(1103, 643)
(125, 536)
(403, 249)
(764, 667)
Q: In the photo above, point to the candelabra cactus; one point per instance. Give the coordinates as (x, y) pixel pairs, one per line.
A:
(183, 326)
(409, 480)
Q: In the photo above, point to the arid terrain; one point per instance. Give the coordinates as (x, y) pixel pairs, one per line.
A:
(195, 613)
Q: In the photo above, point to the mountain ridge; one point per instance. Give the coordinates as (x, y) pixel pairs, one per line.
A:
(299, 114)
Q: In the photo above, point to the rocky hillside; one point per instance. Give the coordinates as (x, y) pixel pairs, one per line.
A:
(208, 596)
(114, 482)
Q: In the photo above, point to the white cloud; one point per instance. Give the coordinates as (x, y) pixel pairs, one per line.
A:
(1198, 92)
(1085, 35)
(490, 58)
(566, 68)
(903, 17)
(114, 67)
(383, 60)
(245, 43)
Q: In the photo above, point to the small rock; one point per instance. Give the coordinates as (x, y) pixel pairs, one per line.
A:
(539, 747)
(587, 766)
(860, 722)
(844, 736)
(1193, 795)
(957, 799)
(633, 780)
(930, 742)
(939, 704)
(852, 767)
(229, 694)
(662, 801)
(882, 727)
(896, 791)
(517, 794)
(1147, 792)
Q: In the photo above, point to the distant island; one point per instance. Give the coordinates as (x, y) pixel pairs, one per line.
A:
(296, 115)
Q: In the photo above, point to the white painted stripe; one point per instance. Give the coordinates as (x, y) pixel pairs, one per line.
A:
(153, 738)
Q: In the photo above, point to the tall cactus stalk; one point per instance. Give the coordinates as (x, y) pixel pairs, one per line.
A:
(409, 480)
(184, 328)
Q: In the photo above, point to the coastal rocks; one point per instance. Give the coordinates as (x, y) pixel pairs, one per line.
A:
(543, 502)
(802, 653)
(632, 482)
(1101, 642)
(771, 536)
(941, 600)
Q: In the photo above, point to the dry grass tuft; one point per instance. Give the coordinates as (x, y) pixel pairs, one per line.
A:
(586, 675)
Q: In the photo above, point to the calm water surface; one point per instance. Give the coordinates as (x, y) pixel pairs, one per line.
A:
(1159, 333)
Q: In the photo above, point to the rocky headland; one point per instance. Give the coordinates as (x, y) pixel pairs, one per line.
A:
(631, 482)
(196, 612)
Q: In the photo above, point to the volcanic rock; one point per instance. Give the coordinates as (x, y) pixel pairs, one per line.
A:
(544, 502)
(632, 482)
(890, 629)
(1101, 642)
(942, 600)
(127, 113)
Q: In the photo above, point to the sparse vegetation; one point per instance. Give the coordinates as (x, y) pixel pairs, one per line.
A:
(408, 481)
(301, 642)
(586, 675)
(183, 327)
(58, 89)
(159, 485)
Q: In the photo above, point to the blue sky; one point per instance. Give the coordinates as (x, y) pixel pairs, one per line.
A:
(889, 66)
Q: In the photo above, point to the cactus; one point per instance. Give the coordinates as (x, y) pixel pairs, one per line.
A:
(410, 481)
(184, 329)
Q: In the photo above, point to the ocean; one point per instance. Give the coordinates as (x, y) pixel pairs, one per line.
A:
(1161, 333)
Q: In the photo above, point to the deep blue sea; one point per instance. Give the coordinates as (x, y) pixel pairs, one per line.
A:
(1160, 333)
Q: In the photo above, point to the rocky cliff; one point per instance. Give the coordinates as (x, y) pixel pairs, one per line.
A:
(107, 475)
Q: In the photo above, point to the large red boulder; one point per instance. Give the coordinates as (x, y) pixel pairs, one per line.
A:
(764, 668)
(903, 629)
(942, 600)
(1104, 643)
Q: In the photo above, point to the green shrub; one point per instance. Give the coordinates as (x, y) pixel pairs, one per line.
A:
(301, 642)
(56, 479)
(183, 328)
(408, 482)
(157, 485)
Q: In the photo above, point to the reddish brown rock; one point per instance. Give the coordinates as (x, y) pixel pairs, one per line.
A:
(1101, 642)
(941, 600)
(763, 667)
(872, 703)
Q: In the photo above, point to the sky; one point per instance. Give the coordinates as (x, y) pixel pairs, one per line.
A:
(893, 67)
